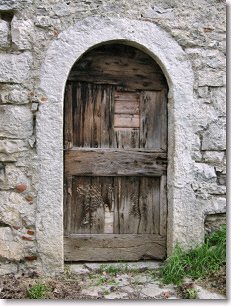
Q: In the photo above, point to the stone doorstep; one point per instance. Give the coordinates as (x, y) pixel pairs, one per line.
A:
(132, 266)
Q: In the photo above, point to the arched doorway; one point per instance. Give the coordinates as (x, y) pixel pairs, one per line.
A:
(60, 57)
(115, 160)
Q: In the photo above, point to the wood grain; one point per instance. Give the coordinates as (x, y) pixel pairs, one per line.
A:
(119, 65)
(68, 120)
(67, 204)
(112, 162)
(124, 205)
(115, 141)
(114, 247)
(153, 126)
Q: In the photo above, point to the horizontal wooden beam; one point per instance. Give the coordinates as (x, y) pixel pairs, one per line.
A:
(114, 162)
(114, 247)
(153, 82)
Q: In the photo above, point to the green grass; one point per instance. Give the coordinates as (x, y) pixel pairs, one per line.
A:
(114, 269)
(198, 262)
(37, 291)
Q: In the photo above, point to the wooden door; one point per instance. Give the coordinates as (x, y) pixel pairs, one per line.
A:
(115, 205)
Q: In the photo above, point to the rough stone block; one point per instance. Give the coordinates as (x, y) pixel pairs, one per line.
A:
(12, 146)
(218, 98)
(158, 12)
(18, 96)
(203, 92)
(15, 68)
(2, 174)
(79, 269)
(209, 58)
(204, 294)
(16, 122)
(213, 156)
(214, 138)
(211, 78)
(9, 248)
(15, 176)
(215, 205)
(221, 178)
(14, 94)
(22, 33)
(204, 171)
(15, 210)
(214, 221)
(204, 113)
(13, 4)
(4, 33)
(152, 290)
(45, 21)
(206, 190)
(61, 9)
(9, 268)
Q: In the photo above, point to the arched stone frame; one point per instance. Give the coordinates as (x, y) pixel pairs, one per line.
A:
(59, 59)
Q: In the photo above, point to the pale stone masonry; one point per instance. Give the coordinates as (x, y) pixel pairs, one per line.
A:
(39, 42)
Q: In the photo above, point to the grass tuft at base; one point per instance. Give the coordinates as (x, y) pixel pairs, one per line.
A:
(198, 262)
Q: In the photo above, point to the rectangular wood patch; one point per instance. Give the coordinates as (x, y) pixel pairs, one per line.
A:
(127, 110)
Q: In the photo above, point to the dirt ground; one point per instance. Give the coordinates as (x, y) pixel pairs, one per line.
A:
(70, 286)
(215, 282)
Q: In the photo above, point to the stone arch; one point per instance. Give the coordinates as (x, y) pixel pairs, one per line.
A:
(59, 59)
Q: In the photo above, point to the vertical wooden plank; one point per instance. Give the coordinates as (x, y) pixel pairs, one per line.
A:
(97, 116)
(68, 121)
(108, 195)
(67, 202)
(87, 114)
(102, 205)
(77, 115)
(96, 206)
(155, 190)
(81, 203)
(107, 116)
(83, 115)
(149, 205)
(164, 119)
(127, 206)
(151, 128)
(163, 205)
(117, 198)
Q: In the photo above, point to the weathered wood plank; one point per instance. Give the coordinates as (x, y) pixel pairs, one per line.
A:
(126, 121)
(153, 126)
(80, 218)
(67, 204)
(127, 103)
(122, 65)
(164, 120)
(149, 205)
(127, 205)
(107, 113)
(163, 205)
(114, 247)
(97, 97)
(113, 162)
(141, 81)
(68, 120)
(97, 205)
(126, 138)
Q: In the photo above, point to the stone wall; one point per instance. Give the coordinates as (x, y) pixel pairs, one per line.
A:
(27, 29)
